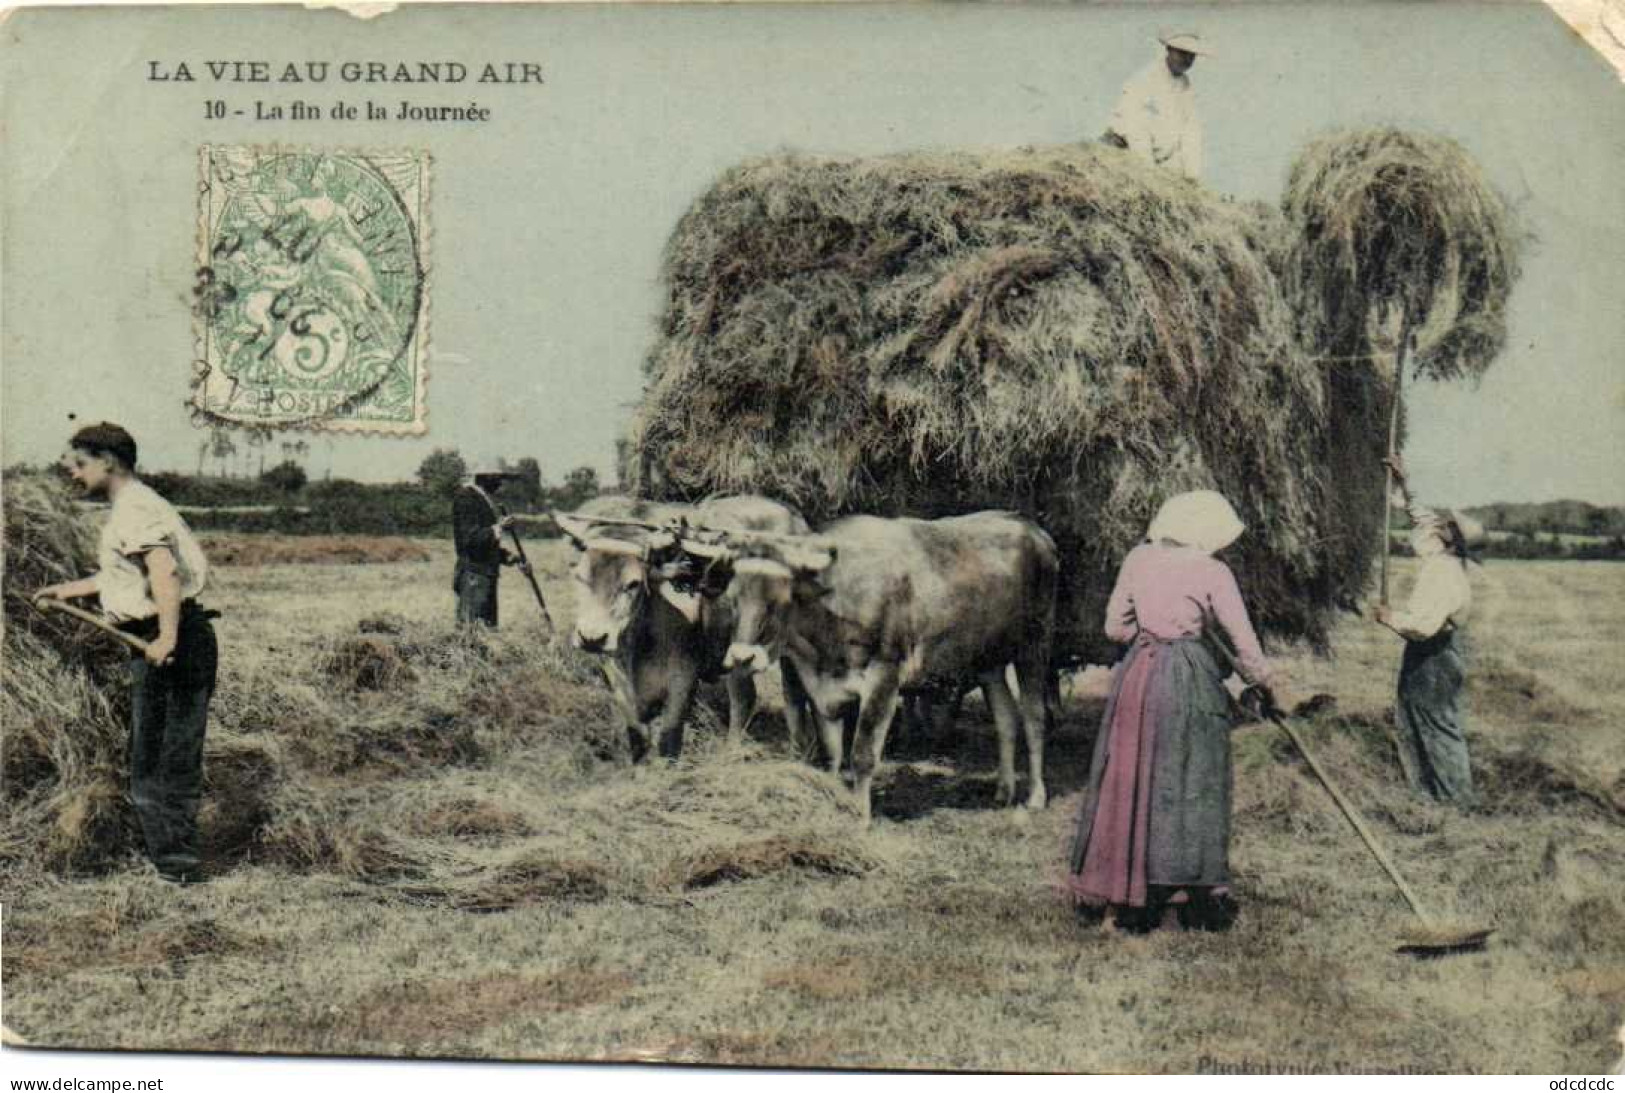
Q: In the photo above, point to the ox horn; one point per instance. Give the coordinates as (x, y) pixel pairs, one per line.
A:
(714, 552)
(575, 529)
(763, 567)
(812, 560)
(615, 546)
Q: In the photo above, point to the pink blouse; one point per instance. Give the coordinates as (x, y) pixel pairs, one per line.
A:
(1163, 589)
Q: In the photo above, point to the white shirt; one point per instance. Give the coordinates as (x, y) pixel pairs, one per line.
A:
(1156, 114)
(139, 522)
(1441, 593)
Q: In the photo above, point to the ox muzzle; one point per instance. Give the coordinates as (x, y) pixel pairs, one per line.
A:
(742, 655)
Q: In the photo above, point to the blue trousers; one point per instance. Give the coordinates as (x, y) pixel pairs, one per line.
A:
(169, 711)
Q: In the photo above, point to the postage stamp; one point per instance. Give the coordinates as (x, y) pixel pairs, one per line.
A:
(312, 289)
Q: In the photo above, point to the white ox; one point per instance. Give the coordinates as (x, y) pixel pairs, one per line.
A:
(872, 607)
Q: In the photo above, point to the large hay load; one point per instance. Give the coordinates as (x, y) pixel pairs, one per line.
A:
(1067, 332)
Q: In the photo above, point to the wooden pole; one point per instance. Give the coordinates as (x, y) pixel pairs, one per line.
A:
(1393, 449)
(95, 620)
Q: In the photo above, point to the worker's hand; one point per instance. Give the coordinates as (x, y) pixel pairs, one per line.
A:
(1396, 463)
(504, 524)
(524, 567)
(50, 592)
(160, 651)
(1383, 614)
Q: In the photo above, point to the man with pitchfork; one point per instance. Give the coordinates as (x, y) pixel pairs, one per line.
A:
(150, 571)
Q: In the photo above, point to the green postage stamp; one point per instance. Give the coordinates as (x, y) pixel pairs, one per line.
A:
(312, 290)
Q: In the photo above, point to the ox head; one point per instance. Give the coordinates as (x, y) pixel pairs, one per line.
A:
(614, 576)
(766, 583)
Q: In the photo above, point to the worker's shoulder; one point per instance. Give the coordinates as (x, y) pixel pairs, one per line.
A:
(139, 501)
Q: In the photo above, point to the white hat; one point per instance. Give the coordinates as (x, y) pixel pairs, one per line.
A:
(1472, 532)
(1201, 518)
(1190, 43)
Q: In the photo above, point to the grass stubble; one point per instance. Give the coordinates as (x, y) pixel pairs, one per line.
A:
(461, 864)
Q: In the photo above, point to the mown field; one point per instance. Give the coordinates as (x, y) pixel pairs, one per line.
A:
(454, 861)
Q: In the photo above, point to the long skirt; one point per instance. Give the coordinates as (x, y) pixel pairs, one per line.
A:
(1428, 716)
(1156, 811)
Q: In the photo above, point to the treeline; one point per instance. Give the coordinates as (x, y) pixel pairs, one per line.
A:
(1552, 517)
(284, 500)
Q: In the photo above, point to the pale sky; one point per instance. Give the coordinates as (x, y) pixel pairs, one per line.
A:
(548, 221)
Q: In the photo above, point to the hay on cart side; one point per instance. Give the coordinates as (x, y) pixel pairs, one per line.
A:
(1067, 331)
(1379, 224)
(1382, 222)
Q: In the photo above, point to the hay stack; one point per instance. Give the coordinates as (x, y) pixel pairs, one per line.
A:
(1068, 332)
(1380, 224)
(63, 703)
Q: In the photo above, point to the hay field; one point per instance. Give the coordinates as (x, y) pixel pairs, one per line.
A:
(516, 892)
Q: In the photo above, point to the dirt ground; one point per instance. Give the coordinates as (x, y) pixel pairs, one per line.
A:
(727, 910)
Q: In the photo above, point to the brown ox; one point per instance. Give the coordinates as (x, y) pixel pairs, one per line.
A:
(660, 641)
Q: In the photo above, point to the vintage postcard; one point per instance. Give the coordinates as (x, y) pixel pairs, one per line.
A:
(1008, 537)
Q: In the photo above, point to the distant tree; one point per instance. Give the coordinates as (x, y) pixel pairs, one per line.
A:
(525, 490)
(287, 476)
(1597, 521)
(442, 470)
(222, 447)
(580, 485)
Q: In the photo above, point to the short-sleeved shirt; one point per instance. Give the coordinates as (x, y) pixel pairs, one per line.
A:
(139, 522)
(1442, 594)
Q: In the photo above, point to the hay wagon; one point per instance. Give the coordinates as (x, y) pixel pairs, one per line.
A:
(1073, 334)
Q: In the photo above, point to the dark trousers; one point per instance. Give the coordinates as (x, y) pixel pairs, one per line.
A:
(476, 595)
(169, 709)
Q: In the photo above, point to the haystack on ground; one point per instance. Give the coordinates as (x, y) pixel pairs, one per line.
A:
(1068, 331)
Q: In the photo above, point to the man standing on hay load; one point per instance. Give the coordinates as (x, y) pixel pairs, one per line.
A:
(1156, 114)
(477, 525)
(1427, 715)
(1153, 833)
(151, 570)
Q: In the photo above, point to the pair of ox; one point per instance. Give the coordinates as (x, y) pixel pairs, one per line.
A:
(864, 612)
(637, 605)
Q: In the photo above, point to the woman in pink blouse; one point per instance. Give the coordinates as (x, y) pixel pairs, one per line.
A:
(1154, 830)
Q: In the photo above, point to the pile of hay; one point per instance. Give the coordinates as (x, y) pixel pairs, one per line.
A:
(1381, 224)
(62, 698)
(1067, 331)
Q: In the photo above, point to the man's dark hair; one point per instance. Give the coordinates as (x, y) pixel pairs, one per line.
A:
(106, 439)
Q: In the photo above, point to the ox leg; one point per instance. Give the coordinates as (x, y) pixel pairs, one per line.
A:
(1005, 717)
(1039, 698)
(946, 727)
(878, 707)
(669, 726)
(796, 712)
(620, 687)
(833, 730)
(741, 703)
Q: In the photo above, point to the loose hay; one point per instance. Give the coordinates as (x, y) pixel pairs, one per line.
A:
(763, 857)
(1065, 331)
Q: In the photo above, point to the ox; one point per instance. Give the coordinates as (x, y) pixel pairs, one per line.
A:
(661, 641)
(875, 606)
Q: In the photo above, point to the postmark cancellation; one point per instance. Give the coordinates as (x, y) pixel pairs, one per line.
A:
(312, 289)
